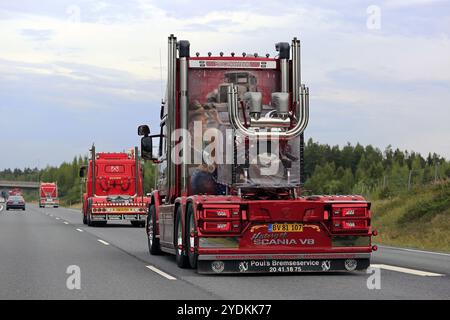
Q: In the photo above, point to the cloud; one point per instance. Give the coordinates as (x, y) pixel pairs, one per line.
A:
(37, 35)
(410, 3)
(367, 86)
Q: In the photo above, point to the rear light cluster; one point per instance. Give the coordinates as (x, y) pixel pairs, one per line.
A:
(110, 208)
(120, 204)
(220, 220)
(350, 219)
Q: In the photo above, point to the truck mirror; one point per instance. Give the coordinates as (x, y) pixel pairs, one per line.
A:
(147, 148)
(143, 130)
(82, 171)
(161, 112)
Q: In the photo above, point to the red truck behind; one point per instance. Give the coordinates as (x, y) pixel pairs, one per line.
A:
(48, 194)
(113, 189)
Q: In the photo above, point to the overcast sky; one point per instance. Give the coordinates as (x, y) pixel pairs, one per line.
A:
(77, 72)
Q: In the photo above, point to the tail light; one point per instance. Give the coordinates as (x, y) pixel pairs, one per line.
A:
(349, 212)
(350, 219)
(349, 225)
(217, 213)
(220, 220)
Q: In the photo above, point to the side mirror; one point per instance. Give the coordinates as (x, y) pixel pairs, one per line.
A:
(161, 111)
(147, 148)
(143, 130)
(83, 171)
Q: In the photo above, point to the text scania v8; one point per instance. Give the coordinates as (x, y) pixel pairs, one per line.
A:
(48, 194)
(113, 189)
(228, 196)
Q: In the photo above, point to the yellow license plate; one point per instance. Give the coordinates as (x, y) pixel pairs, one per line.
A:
(121, 209)
(286, 227)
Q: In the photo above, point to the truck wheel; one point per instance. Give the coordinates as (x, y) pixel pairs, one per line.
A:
(181, 257)
(84, 219)
(190, 238)
(90, 223)
(153, 242)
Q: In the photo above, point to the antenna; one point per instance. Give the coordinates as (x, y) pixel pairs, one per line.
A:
(160, 73)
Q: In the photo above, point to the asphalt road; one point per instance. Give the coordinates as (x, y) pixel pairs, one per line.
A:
(37, 247)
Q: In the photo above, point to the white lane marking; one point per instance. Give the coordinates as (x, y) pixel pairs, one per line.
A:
(79, 230)
(161, 273)
(58, 218)
(104, 242)
(416, 250)
(407, 270)
(65, 222)
(1, 207)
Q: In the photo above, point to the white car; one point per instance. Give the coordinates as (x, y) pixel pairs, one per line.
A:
(2, 200)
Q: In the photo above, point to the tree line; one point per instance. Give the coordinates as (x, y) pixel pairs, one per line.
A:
(328, 170)
(368, 170)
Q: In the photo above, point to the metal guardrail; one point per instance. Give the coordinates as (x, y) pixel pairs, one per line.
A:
(19, 184)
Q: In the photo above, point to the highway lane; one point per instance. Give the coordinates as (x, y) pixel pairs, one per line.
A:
(126, 256)
(36, 250)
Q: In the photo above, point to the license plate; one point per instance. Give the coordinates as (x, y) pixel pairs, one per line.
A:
(286, 227)
(121, 209)
(114, 217)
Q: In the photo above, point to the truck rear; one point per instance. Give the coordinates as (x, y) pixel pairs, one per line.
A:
(114, 189)
(48, 195)
(230, 171)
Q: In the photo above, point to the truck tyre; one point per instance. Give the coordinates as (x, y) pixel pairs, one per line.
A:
(90, 223)
(180, 254)
(190, 238)
(84, 219)
(153, 242)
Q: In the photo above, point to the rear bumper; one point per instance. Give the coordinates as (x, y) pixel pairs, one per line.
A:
(283, 263)
(111, 217)
(49, 204)
(15, 206)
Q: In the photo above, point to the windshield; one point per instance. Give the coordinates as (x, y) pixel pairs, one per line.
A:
(16, 198)
(217, 162)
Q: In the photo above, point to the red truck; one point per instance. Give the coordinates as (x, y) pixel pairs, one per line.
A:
(113, 189)
(230, 171)
(48, 194)
(15, 192)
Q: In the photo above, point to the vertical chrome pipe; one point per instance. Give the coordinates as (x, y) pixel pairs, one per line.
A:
(183, 120)
(284, 68)
(171, 121)
(94, 180)
(294, 72)
(136, 169)
(299, 63)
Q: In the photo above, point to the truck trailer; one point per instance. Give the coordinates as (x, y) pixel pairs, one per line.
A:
(113, 189)
(228, 196)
